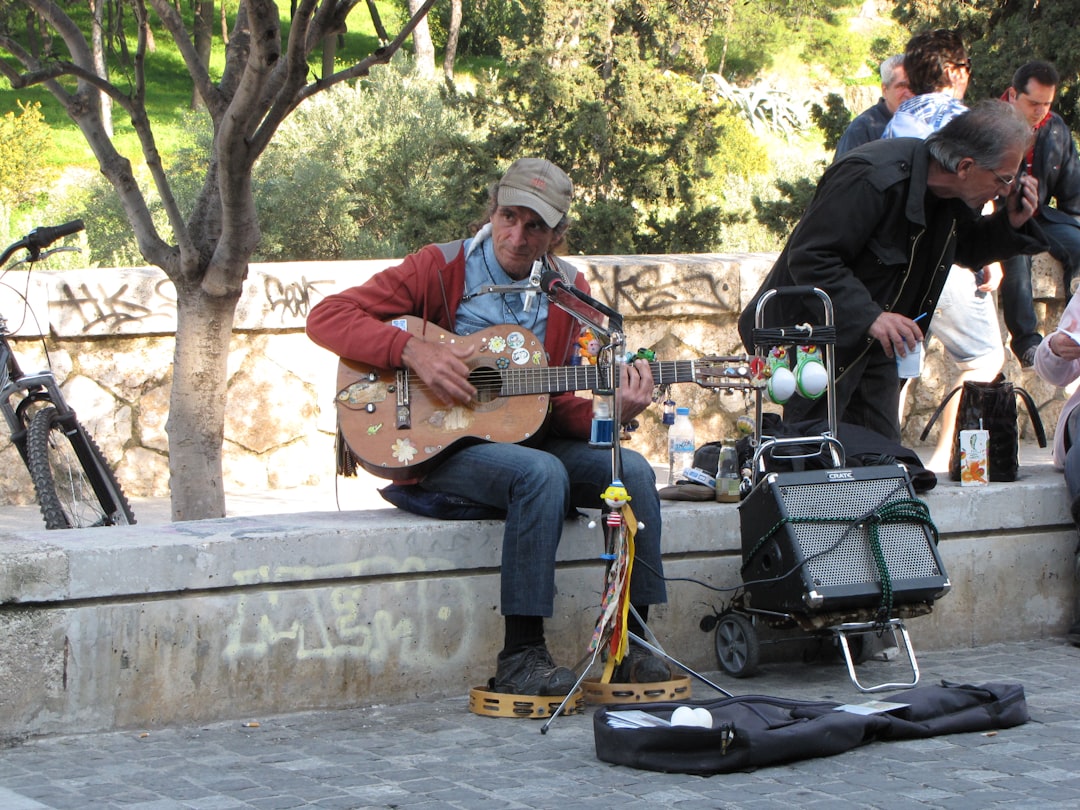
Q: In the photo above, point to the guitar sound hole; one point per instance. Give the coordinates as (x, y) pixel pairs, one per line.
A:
(488, 382)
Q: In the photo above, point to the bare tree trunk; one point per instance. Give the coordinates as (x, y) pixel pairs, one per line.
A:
(452, 40)
(329, 53)
(423, 50)
(203, 38)
(97, 40)
(197, 400)
(728, 14)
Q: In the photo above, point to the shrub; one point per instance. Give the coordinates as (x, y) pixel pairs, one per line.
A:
(371, 170)
(24, 177)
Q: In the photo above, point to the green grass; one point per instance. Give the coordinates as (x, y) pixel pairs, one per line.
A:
(169, 90)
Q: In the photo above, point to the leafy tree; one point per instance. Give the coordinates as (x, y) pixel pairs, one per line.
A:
(781, 216)
(1003, 34)
(207, 248)
(602, 89)
(750, 36)
(832, 119)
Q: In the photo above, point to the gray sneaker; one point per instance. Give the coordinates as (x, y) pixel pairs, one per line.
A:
(531, 671)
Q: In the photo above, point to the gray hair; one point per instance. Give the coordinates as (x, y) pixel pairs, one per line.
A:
(985, 133)
(888, 68)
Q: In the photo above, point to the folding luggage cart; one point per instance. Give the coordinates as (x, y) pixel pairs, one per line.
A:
(836, 551)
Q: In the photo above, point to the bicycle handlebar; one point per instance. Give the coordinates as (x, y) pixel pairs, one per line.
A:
(40, 238)
(45, 236)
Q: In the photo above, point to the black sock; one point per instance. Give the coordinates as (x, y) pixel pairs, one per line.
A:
(522, 632)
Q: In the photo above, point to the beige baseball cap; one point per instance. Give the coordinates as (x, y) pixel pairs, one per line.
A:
(539, 185)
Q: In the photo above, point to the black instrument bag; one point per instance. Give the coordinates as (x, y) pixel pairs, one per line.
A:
(750, 731)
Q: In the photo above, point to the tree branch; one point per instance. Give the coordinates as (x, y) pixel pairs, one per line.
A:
(312, 22)
(84, 108)
(174, 24)
(381, 56)
(141, 122)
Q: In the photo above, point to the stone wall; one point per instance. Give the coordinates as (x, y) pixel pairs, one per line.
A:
(109, 337)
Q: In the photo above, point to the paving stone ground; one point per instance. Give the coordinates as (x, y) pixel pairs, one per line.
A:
(437, 754)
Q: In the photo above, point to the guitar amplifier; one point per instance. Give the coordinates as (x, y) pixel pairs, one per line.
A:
(807, 542)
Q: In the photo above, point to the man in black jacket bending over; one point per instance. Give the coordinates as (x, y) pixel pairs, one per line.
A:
(885, 225)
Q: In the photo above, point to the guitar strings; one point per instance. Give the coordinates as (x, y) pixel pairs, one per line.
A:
(556, 376)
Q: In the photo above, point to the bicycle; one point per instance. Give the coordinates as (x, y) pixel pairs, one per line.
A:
(75, 486)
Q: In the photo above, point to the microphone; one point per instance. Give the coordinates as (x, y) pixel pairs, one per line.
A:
(549, 279)
(578, 303)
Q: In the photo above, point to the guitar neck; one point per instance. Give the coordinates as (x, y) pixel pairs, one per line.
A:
(554, 380)
(665, 372)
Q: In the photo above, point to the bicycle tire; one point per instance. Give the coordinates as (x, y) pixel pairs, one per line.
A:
(74, 484)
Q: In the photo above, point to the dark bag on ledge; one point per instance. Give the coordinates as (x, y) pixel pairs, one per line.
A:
(991, 406)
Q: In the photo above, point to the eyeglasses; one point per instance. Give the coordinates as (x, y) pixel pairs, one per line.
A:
(966, 65)
(1005, 181)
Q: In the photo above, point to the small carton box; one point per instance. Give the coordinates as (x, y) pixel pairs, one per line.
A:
(974, 464)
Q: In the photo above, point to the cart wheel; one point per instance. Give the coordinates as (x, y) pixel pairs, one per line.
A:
(737, 645)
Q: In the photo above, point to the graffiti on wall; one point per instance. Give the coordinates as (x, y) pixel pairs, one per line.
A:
(291, 298)
(96, 307)
(418, 623)
(654, 290)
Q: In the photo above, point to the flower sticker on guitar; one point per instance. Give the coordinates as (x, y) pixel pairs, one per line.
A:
(403, 450)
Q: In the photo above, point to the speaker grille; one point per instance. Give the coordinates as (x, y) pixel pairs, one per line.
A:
(839, 552)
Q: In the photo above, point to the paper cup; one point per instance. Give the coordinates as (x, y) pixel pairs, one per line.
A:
(910, 365)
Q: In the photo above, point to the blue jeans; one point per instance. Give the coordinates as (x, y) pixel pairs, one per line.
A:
(966, 324)
(1016, 297)
(1018, 305)
(538, 488)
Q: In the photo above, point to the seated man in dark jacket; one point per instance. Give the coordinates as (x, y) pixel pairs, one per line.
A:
(1053, 161)
(885, 225)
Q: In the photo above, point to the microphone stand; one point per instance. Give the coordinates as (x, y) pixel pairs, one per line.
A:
(607, 325)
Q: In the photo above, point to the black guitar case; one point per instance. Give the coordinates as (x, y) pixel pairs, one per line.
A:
(750, 731)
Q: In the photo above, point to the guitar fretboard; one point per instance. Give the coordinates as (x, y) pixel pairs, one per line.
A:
(515, 382)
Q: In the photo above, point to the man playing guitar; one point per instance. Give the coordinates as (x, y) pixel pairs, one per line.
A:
(538, 482)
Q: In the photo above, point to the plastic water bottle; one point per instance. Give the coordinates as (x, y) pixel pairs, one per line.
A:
(680, 445)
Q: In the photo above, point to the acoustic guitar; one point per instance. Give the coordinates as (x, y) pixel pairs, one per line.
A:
(396, 428)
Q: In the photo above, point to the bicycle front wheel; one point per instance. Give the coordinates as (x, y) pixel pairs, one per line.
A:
(75, 486)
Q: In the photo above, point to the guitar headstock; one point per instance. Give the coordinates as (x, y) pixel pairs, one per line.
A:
(727, 371)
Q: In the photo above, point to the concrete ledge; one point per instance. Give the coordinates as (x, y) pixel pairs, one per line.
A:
(191, 622)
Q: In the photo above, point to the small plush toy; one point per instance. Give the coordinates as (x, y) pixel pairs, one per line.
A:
(589, 347)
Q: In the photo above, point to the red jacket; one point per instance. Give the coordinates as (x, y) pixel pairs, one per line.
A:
(430, 284)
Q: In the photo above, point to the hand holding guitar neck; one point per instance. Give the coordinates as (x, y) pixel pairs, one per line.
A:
(635, 388)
